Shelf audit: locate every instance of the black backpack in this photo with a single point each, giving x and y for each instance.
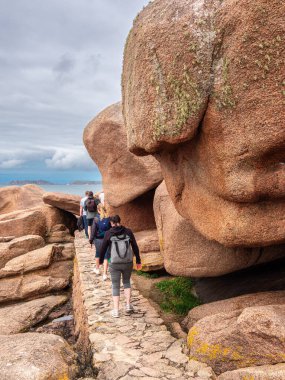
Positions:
(91, 205)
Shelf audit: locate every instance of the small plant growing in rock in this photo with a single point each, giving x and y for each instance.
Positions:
(178, 295)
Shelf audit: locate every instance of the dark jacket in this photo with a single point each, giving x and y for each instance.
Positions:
(119, 231)
(99, 228)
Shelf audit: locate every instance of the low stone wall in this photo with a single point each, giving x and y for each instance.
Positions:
(83, 346)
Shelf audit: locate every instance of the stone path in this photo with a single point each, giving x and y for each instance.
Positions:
(137, 347)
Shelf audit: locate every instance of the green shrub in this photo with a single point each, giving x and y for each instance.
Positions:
(177, 295)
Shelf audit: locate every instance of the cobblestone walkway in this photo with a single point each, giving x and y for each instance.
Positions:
(137, 347)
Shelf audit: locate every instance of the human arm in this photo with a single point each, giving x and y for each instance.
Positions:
(93, 232)
(135, 247)
(104, 247)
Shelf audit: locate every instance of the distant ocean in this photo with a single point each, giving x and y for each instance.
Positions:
(69, 189)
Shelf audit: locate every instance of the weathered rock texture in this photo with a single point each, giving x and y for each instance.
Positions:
(188, 253)
(265, 372)
(35, 221)
(149, 250)
(137, 214)
(247, 338)
(36, 356)
(59, 234)
(66, 202)
(19, 318)
(125, 176)
(34, 260)
(29, 269)
(54, 278)
(19, 246)
(207, 84)
(14, 198)
(233, 304)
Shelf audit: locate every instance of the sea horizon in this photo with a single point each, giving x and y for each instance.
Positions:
(66, 188)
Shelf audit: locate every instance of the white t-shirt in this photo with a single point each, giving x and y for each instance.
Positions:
(82, 205)
(102, 198)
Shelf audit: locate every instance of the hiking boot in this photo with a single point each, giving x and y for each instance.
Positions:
(129, 309)
(115, 313)
(96, 270)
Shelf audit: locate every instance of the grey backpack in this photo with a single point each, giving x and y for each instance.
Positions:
(121, 250)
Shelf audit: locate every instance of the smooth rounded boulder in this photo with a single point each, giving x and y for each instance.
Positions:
(66, 202)
(125, 176)
(14, 198)
(233, 304)
(198, 99)
(188, 253)
(239, 339)
(36, 356)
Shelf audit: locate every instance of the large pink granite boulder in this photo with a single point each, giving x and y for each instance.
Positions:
(233, 304)
(66, 202)
(36, 356)
(207, 99)
(239, 339)
(14, 198)
(125, 176)
(35, 221)
(186, 252)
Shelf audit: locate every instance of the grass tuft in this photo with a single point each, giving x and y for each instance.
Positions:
(177, 295)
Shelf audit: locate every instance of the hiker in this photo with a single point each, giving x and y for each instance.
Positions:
(90, 206)
(83, 213)
(122, 244)
(100, 226)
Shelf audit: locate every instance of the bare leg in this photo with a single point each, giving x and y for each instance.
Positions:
(89, 231)
(97, 262)
(116, 300)
(105, 267)
(127, 292)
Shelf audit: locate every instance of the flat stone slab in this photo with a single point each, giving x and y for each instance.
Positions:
(136, 346)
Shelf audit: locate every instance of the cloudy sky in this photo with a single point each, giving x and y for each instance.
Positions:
(60, 64)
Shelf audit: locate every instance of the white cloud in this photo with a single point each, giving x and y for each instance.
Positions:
(11, 164)
(60, 65)
(73, 158)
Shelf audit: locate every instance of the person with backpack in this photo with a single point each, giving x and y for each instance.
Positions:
(100, 226)
(122, 244)
(90, 206)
